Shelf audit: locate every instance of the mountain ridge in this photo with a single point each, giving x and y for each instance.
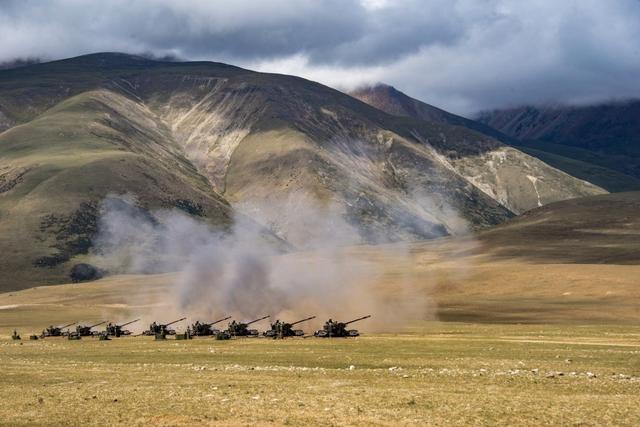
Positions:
(588, 166)
(268, 146)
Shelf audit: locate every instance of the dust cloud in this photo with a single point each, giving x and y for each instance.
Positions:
(240, 272)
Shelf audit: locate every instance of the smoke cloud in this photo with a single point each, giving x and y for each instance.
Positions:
(240, 273)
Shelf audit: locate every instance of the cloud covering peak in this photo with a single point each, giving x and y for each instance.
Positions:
(461, 55)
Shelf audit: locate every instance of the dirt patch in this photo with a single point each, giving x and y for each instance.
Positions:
(11, 178)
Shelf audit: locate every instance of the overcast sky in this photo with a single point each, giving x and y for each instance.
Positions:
(463, 55)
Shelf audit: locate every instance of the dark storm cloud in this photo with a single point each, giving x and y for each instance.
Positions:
(463, 55)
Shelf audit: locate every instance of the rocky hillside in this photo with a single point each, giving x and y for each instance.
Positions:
(606, 135)
(607, 171)
(392, 101)
(211, 139)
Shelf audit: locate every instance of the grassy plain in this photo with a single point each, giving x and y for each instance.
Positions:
(537, 332)
(552, 344)
(434, 374)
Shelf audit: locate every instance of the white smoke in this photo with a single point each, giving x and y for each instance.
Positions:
(241, 273)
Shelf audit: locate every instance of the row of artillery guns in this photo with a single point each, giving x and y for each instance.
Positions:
(111, 329)
(278, 329)
(281, 329)
(234, 329)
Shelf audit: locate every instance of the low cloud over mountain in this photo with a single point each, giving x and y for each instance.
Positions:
(461, 55)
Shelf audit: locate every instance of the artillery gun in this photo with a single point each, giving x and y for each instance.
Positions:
(282, 329)
(116, 330)
(158, 329)
(85, 331)
(56, 331)
(339, 329)
(205, 329)
(236, 329)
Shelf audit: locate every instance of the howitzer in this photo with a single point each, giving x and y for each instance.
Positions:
(117, 331)
(56, 331)
(162, 329)
(85, 331)
(282, 329)
(339, 329)
(242, 330)
(205, 329)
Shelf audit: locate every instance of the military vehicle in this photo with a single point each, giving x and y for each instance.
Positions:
(339, 329)
(161, 329)
(15, 336)
(236, 329)
(85, 331)
(117, 331)
(56, 331)
(205, 329)
(282, 329)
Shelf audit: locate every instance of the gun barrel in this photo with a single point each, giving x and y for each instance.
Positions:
(303, 320)
(97, 324)
(128, 323)
(218, 321)
(257, 320)
(175, 321)
(358, 319)
(66, 326)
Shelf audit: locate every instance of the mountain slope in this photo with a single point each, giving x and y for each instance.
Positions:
(56, 169)
(297, 156)
(591, 168)
(392, 101)
(602, 229)
(607, 134)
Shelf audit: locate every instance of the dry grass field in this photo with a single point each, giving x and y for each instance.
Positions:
(434, 374)
(524, 344)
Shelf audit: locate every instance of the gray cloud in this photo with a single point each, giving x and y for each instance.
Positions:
(462, 55)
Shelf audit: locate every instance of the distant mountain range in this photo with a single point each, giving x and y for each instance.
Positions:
(216, 141)
(599, 144)
(606, 137)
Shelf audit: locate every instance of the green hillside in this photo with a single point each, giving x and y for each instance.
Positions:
(57, 168)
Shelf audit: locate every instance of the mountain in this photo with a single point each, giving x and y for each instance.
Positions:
(576, 162)
(215, 141)
(57, 168)
(392, 101)
(606, 136)
(601, 229)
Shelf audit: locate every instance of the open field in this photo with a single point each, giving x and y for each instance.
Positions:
(554, 340)
(435, 374)
(577, 319)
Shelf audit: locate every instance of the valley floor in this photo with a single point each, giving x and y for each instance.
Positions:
(525, 343)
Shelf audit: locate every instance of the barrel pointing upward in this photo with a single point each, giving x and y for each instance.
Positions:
(257, 320)
(128, 323)
(303, 320)
(97, 324)
(218, 321)
(358, 319)
(66, 326)
(175, 321)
